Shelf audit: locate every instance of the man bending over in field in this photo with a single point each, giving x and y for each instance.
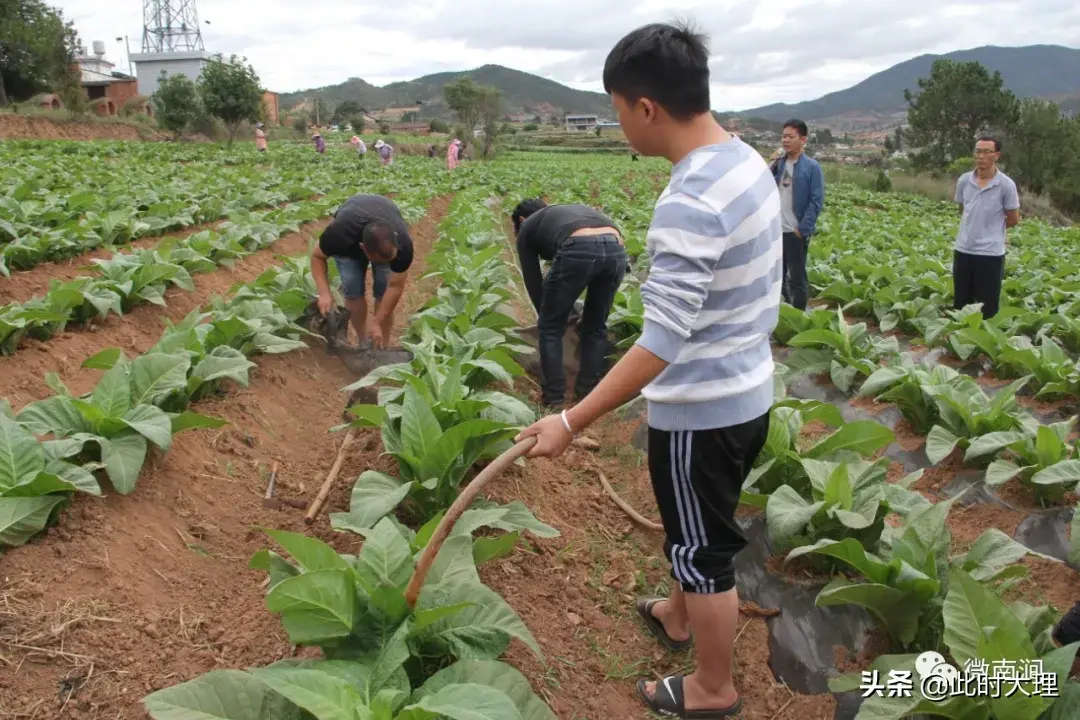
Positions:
(703, 361)
(366, 229)
(587, 256)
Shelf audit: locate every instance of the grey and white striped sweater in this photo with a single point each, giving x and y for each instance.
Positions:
(712, 297)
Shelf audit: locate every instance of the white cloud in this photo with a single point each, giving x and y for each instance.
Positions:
(764, 52)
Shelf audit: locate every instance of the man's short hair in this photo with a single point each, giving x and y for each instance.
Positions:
(990, 138)
(524, 209)
(798, 126)
(379, 239)
(666, 63)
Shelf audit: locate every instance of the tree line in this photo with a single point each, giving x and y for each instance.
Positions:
(960, 101)
(37, 48)
(227, 90)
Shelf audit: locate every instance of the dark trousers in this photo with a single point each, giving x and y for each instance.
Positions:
(977, 279)
(795, 287)
(594, 264)
(697, 477)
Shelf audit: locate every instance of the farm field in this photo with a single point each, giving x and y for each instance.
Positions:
(917, 487)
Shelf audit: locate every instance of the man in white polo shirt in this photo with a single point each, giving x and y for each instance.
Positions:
(989, 204)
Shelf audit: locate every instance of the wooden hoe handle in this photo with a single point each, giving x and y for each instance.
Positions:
(464, 500)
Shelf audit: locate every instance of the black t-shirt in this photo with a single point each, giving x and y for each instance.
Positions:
(544, 232)
(343, 235)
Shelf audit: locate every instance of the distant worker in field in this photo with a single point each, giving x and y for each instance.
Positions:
(452, 154)
(260, 138)
(432, 151)
(802, 196)
(586, 254)
(386, 152)
(989, 205)
(320, 144)
(359, 146)
(366, 230)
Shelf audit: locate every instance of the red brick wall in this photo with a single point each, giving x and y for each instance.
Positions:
(121, 91)
(270, 102)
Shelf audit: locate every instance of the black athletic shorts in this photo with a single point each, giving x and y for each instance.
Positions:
(697, 476)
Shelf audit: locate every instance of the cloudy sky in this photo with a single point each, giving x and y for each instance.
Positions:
(763, 52)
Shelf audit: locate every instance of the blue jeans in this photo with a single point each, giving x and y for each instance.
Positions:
(592, 263)
(353, 272)
(795, 285)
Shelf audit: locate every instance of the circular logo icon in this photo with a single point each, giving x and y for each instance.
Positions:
(925, 663)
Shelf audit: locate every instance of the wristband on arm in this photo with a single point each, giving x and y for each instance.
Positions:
(566, 424)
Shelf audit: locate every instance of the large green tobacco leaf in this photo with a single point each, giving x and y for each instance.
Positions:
(23, 517)
(969, 609)
(156, 376)
(310, 554)
(787, 513)
(112, 395)
(511, 517)
(317, 606)
(373, 496)
(152, 423)
(1067, 706)
(21, 456)
(123, 457)
(221, 363)
(494, 674)
(991, 554)
(894, 608)
(862, 436)
(463, 702)
(220, 695)
(385, 559)
(420, 429)
(481, 631)
(56, 415)
(898, 708)
(324, 695)
(194, 421)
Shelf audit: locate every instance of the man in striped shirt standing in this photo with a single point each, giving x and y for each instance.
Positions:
(703, 361)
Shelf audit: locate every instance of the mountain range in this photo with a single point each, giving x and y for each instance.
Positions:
(1040, 71)
(1043, 71)
(522, 92)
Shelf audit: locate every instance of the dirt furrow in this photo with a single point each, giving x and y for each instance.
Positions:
(130, 594)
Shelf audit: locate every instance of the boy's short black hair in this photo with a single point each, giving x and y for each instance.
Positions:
(990, 138)
(666, 63)
(379, 239)
(799, 126)
(524, 209)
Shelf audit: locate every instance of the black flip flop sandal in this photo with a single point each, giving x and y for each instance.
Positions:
(668, 700)
(644, 609)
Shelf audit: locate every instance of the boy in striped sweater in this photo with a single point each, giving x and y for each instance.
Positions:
(703, 361)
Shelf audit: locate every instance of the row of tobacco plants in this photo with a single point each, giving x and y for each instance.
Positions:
(127, 280)
(67, 443)
(439, 415)
(991, 430)
(888, 548)
(60, 200)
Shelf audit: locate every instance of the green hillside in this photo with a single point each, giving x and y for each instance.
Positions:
(522, 91)
(1044, 71)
